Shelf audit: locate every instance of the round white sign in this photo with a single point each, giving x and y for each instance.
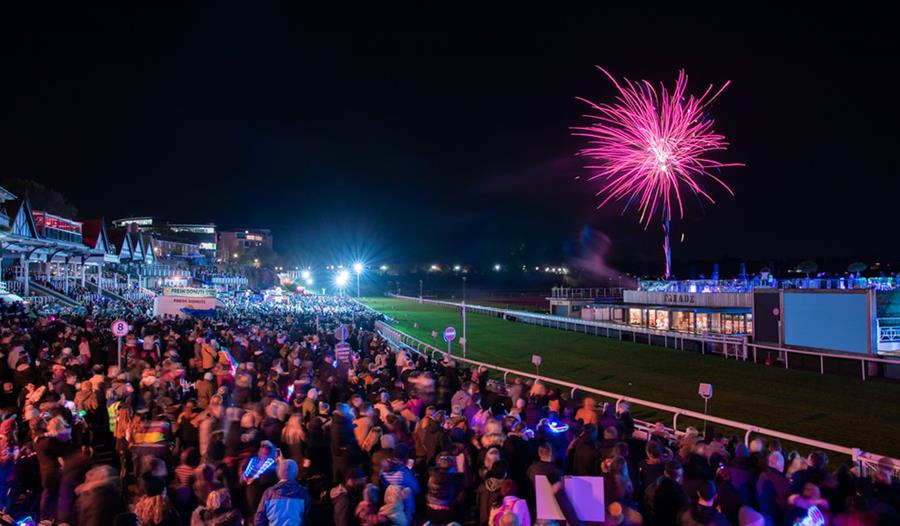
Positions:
(119, 328)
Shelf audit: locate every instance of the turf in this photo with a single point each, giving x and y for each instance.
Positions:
(830, 408)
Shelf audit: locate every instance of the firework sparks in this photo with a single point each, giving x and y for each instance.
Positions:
(652, 147)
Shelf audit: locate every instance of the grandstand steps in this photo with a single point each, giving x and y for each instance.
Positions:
(107, 293)
(58, 296)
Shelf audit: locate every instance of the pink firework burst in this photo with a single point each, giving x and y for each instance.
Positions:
(653, 146)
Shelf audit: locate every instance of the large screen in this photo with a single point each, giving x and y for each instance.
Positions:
(828, 320)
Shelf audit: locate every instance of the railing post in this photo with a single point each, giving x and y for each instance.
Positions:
(821, 364)
(786, 354)
(862, 363)
(747, 437)
(505, 374)
(860, 465)
(675, 423)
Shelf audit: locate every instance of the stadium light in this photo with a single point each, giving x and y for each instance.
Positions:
(383, 268)
(457, 268)
(341, 279)
(305, 275)
(497, 267)
(309, 281)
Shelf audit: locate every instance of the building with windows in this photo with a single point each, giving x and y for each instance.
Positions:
(233, 244)
(180, 237)
(57, 228)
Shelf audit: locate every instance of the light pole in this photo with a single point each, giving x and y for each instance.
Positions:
(420, 291)
(357, 268)
(465, 340)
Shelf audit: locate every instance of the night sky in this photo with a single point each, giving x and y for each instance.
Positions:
(452, 143)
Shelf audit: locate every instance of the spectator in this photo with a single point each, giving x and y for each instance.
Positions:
(154, 507)
(773, 489)
(394, 510)
(703, 511)
(665, 498)
(99, 497)
(287, 502)
(510, 503)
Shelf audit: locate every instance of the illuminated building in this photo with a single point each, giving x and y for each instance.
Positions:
(249, 242)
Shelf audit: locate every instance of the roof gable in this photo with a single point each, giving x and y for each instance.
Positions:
(94, 235)
(23, 224)
(149, 255)
(137, 246)
(119, 238)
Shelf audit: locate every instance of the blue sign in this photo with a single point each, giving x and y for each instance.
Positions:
(449, 334)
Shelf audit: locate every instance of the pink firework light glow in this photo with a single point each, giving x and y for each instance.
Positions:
(652, 147)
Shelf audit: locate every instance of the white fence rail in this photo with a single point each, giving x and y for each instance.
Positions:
(736, 346)
(864, 459)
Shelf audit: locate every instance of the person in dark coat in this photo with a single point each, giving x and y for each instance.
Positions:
(51, 442)
(703, 512)
(585, 457)
(99, 497)
(665, 498)
(773, 489)
(345, 497)
(345, 451)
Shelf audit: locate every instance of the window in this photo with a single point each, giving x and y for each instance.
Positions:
(635, 317)
(683, 321)
(659, 319)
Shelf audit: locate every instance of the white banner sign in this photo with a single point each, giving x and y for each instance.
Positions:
(584, 493)
(189, 292)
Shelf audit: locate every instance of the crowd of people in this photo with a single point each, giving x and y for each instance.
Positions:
(261, 416)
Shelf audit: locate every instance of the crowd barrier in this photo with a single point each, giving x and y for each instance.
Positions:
(863, 459)
(730, 346)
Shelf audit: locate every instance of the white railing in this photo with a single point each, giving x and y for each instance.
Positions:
(13, 286)
(888, 330)
(585, 293)
(864, 459)
(736, 346)
(38, 301)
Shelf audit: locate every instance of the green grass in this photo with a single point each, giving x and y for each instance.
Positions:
(830, 408)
